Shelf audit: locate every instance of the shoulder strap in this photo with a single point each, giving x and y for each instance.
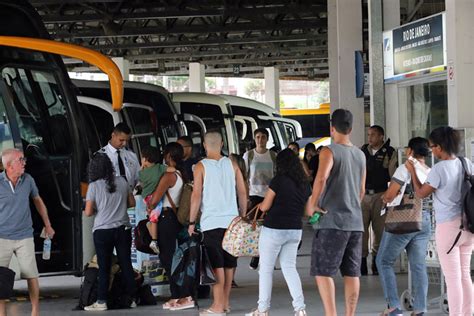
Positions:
(466, 178)
(250, 156)
(273, 156)
(464, 167)
(173, 206)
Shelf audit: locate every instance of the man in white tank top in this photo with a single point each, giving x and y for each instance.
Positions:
(218, 183)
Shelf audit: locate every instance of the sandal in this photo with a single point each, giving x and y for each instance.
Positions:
(187, 303)
(170, 304)
(209, 311)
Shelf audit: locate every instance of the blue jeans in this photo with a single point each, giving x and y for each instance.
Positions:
(283, 242)
(105, 241)
(390, 248)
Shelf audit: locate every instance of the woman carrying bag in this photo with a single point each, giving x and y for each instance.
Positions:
(445, 182)
(415, 243)
(284, 204)
(169, 189)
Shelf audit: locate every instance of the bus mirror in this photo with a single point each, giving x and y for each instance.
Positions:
(88, 55)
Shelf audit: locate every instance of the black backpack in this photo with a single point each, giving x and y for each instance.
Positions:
(467, 191)
(88, 294)
(142, 237)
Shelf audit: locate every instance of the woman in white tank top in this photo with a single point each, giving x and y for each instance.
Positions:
(168, 225)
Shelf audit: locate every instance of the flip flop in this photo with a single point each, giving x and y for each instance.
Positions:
(178, 307)
(169, 305)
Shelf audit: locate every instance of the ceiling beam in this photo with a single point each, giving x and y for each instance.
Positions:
(225, 52)
(211, 69)
(192, 29)
(161, 13)
(214, 42)
(230, 62)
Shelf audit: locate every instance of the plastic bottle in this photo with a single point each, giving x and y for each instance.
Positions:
(315, 218)
(47, 249)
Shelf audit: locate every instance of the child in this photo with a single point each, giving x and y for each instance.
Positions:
(149, 176)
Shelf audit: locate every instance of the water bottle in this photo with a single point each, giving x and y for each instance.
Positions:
(315, 218)
(47, 249)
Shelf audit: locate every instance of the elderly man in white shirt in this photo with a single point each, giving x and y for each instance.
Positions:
(125, 162)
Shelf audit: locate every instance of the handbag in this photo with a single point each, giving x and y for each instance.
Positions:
(405, 218)
(206, 273)
(241, 237)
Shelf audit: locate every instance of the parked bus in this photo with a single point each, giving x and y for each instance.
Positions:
(148, 111)
(212, 110)
(314, 122)
(250, 115)
(41, 116)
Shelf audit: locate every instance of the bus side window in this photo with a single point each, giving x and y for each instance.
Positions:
(103, 123)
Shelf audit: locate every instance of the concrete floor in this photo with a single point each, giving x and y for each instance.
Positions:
(61, 294)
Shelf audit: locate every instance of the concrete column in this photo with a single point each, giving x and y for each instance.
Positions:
(394, 108)
(391, 14)
(272, 87)
(377, 93)
(196, 78)
(344, 38)
(460, 45)
(123, 65)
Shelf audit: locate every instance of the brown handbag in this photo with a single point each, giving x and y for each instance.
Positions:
(405, 218)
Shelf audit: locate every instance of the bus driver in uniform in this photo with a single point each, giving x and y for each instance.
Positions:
(125, 162)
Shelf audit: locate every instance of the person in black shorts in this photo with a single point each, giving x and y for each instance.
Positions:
(220, 195)
(337, 194)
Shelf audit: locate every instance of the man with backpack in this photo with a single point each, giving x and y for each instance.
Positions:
(260, 164)
(381, 159)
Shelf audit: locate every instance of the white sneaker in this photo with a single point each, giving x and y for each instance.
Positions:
(133, 305)
(154, 246)
(96, 307)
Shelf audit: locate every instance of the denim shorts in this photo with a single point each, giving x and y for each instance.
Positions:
(335, 250)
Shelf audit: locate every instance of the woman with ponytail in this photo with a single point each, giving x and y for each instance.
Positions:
(169, 189)
(415, 244)
(445, 182)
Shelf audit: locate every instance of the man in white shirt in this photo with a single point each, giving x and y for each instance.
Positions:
(260, 165)
(125, 162)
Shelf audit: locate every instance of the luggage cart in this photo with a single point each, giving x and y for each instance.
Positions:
(435, 275)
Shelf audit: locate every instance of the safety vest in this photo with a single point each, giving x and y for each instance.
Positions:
(377, 167)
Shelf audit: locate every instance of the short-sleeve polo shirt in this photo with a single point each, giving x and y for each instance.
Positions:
(15, 212)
